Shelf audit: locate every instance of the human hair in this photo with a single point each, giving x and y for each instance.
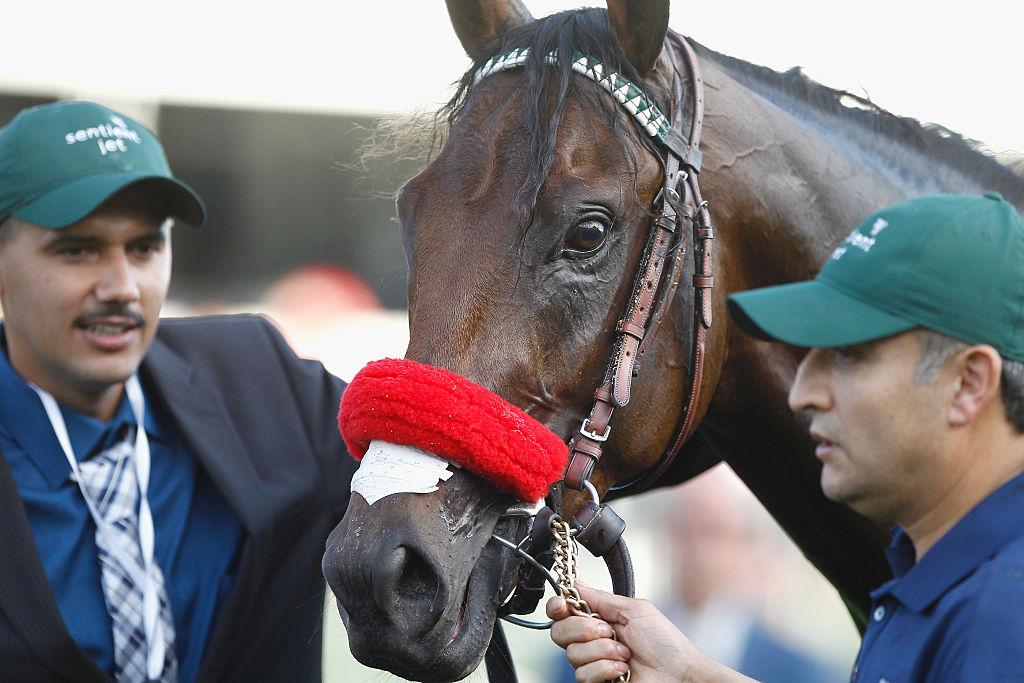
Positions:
(936, 348)
(1012, 388)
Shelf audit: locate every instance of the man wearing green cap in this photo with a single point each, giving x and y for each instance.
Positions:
(165, 487)
(913, 386)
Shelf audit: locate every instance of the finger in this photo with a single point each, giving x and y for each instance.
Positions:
(580, 654)
(599, 672)
(611, 607)
(579, 630)
(557, 608)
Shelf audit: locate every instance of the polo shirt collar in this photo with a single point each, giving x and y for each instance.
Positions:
(24, 420)
(992, 525)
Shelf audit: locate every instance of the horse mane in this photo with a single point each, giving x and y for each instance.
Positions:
(550, 86)
(900, 140)
(907, 147)
(1016, 163)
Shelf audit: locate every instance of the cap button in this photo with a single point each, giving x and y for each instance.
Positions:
(993, 195)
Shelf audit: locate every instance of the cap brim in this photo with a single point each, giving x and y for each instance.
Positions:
(73, 201)
(811, 314)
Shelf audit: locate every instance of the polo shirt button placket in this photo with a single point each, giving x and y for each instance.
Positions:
(875, 619)
(878, 616)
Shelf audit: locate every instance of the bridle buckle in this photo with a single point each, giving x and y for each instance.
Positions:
(590, 434)
(673, 194)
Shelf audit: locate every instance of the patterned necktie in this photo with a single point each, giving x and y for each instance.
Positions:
(109, 479)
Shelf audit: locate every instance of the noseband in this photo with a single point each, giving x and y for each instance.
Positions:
(678, 207)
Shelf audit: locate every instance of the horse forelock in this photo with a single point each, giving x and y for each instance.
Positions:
(550, 86)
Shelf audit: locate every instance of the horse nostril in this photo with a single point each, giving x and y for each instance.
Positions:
(405, 580)
(419, 579)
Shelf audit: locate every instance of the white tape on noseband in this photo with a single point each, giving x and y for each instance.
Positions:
(388, 468)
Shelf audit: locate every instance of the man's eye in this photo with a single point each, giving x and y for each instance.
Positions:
(585, 238)
(146, 248)
(854, 352)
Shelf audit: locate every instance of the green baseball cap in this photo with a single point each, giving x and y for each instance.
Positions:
(949, 263)
(60, 161)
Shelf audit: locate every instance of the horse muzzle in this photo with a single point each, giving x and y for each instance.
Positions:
(417, 581)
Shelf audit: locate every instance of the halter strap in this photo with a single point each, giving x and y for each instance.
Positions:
(655, 288)
(703, 281)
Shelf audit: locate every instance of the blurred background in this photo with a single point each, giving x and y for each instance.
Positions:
(265, 111)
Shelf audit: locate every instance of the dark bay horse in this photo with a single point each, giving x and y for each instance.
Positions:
(523, 235)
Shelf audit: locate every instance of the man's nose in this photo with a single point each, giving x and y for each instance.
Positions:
(117, 280)
(810, 389)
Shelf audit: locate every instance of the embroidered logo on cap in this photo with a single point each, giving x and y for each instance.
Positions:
(859, 240)
(110, 139)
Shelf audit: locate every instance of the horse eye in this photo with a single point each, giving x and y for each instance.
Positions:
(585, 237)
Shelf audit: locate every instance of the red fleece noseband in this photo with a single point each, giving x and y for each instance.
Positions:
(411, 404)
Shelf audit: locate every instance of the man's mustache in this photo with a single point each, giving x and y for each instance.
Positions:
(100, 315)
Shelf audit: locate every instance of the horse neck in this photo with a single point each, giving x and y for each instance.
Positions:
(783, 191)
(919, 158)
(787, 167)
(788, 172)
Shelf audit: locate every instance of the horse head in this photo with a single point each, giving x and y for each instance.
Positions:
(523, 236)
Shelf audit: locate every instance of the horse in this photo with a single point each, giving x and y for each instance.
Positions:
(522, 236)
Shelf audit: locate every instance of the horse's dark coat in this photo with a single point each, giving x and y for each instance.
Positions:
(788, 169)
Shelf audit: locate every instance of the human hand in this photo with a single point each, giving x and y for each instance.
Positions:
(655, 650)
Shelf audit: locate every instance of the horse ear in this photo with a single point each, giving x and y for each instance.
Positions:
(639, 27)
(478, 22)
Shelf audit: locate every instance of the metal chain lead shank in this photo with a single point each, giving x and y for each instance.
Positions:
(565, 568)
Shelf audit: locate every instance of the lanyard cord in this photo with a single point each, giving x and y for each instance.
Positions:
(156, 647)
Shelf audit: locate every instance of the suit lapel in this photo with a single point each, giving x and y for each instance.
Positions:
(25, 595)
(197, 409)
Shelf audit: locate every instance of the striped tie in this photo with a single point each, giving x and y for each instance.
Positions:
(108, 478)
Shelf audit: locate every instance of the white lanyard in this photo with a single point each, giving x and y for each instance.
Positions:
(150, 601)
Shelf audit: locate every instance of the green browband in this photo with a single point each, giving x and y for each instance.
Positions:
(626, 92)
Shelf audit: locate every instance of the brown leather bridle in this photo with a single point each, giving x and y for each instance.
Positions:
(678, 205)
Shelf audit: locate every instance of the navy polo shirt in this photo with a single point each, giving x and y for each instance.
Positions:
(196, 534)
(958, 614)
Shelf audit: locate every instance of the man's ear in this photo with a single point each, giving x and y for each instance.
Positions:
(978, 374)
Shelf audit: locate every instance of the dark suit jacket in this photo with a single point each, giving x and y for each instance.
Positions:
(262, 424)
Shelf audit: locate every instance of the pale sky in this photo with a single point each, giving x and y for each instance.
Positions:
(952, 63)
